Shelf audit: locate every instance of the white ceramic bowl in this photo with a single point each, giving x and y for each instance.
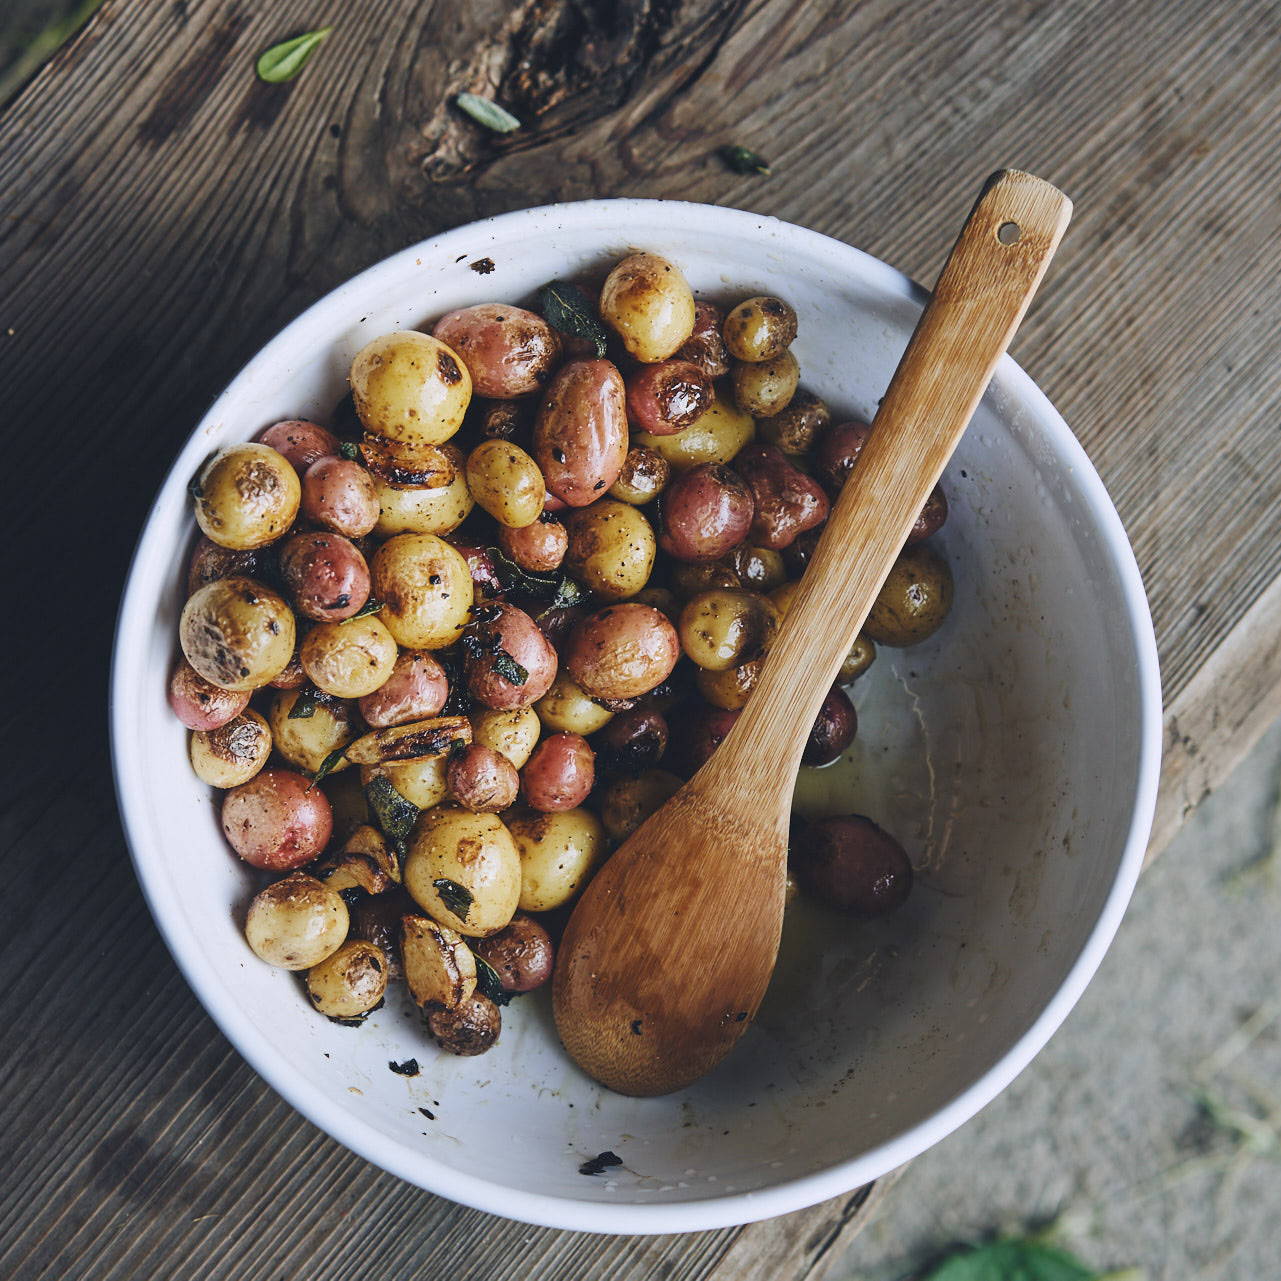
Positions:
(1015, 754)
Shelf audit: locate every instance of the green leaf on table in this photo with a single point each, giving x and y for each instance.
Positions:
(1013, 1259)
(566, 306)
(285, 60)
(484, 111)
(744, 160)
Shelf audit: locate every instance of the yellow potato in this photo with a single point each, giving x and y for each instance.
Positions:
(714, 437)
(766, 388)
(410, 387)
(513, 732)
(426, 590)
(246, 496)
(506, 482)
(237, 633)
(297, 922)
(305, 741)
(348, 659)
(611, 548)
(476, 854)
(421, 783)
(233, 753)
(724, 627)
(567, 708)
(557, 855)
(437, 510)
(349, 983)
(649, 304)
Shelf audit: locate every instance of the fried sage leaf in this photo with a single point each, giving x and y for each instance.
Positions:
(392, 812)
(566, 306)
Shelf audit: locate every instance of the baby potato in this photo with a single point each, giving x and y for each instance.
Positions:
(706, 513)
(644, 476)
(765, 387)
(760, 568)
(277, 820)
(932, 518)
(480, 779)
(300, 441)
(305, 741)
(724, 628)
(233, 753)
(504, 636)
(237, 633)
(506, 482)
(426, 590)
(560, 773)
(849, 863)
(705, 347)
(580, 436)
(861, 656)
(511, 732)
(557, 855)
(622, 651)
(410, 387)
(293, 677)
(715, 436)
(521, 955)
(759, 329)
(439, 509)
(296, 923)
(633, 741)
(836, 451)
(787, 501)
(567, 707)
(416, 690)
(665, 398)
(421, 782)
(730, 688)
(689, 578)
(350, 982)
(539, 547)
(349, 659)
(647, 301)
(469, 1028)
(477, 855)
(914, 601)
(325, 575)
(833, 729)
(246, 496)
(440, 969)
(198, 703)
(339, 494)
(209, 562)
(627, 802)
(795, 429)
(611, 548)
(508, 351)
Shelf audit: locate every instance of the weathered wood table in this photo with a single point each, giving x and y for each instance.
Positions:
(162, 214)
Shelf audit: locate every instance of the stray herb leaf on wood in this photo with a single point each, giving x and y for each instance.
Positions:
(565, 306)
(744, 160)
(455, 897)
(484, 111)
(285, 60)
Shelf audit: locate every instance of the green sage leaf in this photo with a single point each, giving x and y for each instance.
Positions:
(557, 590)
(484, 111)
(371, 606)
(455, 897)
(488, 983)
(304, 707)
(565, 306)
(743, 160)
(350, 451)
(1011, 1260)
(394, 815)
(285, 60)
(328, 765)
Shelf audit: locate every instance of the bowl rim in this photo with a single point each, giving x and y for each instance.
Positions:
(572, 1213)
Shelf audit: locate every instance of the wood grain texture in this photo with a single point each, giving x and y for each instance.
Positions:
(163, 214)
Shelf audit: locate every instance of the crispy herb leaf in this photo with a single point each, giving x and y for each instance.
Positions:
(350, 451)
(1011, 1260)
(393, 814)
(488, 983)
(285, 60)
(568, 308)
(744, 160)
(304, 707)
(408, 1068)
(484, 111)
(508, 668)
(454, 896)
(557, 590)
(328, 765)
(599, 1164)
(371, 606)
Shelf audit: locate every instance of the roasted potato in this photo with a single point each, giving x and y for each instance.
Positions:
(557, 854)
(508, 351)
(715, 436)
(325, 575)
(644, 476)
(648, 303)
(340, 494)
(611, 548)
(277, 820)
(350, 982)
(559, 773)
(622, 651)
(306, 734)
(426, 590)
(723, 628)
(296, 923)
(233, 753)
(410, 388)
(707, 512)
(580, 436)
(915, 600)
(759, 329)
(349, 659)
(246, 496)
(506, 482)
(236, 633)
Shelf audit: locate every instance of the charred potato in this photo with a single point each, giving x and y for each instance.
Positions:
(237, 633)
(410, 388)
(246, 496)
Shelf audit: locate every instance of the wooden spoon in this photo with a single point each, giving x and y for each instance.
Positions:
(670, 949)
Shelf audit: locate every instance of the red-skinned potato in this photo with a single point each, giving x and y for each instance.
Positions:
(481, 780)
(539, 547)
(580, 437)
(301, 442)
(198, 703)
(633, 741)
(850, 863)
(277, 820)
(622, 651)
(326, 577)
(932, 518)
(703, 734)
(706, 513)
(508, 351)
(559, 774)
(209, 563)
(833, 729)
(788, 502)
(665, 398)
(521, 955)
(705, 347)
(836, 451)
(339, 494)
(415, 690)
(505, 630)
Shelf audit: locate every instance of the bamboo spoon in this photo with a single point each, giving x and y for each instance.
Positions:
(670, 949)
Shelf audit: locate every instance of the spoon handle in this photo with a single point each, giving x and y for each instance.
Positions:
(982, 294)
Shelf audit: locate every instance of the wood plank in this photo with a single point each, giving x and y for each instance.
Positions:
(162, 215)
